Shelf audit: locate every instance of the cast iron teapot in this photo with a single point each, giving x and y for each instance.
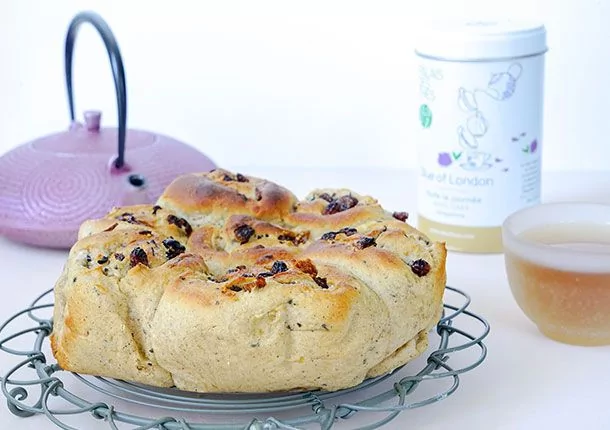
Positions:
(49, 186)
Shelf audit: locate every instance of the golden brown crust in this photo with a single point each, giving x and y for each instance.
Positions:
(231, 284)
(214, 196)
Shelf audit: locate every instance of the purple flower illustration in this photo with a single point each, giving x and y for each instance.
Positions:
(533, 146)
(444, 159)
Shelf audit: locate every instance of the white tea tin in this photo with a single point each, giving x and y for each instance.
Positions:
(480, 104)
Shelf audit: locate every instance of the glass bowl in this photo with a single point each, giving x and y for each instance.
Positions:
(557, 259)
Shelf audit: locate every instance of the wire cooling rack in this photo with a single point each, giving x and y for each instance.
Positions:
(61, 395)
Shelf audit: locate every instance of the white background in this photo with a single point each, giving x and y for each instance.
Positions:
(311, 83)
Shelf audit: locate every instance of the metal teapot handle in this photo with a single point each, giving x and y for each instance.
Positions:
(118, 72)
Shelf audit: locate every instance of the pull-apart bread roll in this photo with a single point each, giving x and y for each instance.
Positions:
(231, 284)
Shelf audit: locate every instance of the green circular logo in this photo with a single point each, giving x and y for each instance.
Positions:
(425, 116)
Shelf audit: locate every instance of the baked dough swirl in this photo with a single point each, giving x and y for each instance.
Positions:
(231, 284)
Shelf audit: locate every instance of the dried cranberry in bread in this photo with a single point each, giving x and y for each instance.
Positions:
(231, 284)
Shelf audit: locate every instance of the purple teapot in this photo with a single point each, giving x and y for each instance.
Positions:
(49, 186)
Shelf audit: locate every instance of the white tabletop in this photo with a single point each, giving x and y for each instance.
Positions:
(526, 382)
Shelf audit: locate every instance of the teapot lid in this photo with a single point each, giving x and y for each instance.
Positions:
(89, 137)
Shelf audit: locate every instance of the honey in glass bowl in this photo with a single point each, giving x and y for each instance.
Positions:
(557, 259)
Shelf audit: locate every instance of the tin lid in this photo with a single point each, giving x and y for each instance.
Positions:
(481, 40)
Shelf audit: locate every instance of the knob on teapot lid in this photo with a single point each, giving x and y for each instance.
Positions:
(93, 120)
(54, 183)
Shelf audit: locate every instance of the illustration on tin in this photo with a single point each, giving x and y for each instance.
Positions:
(425, 85)
(476, 161)
(470, 160)
(527, 147)
(500, 87)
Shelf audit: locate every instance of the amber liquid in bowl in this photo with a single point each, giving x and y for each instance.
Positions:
(568, 305)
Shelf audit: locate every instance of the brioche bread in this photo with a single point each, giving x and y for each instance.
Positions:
(231, 284)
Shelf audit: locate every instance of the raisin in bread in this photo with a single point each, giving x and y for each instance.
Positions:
(231, 284)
